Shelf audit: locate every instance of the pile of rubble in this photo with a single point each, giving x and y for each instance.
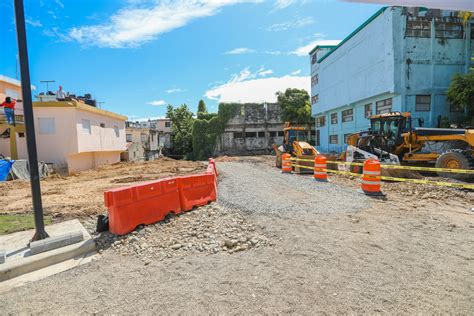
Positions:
(209, 229)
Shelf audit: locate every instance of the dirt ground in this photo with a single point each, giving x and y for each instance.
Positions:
(81, 195)
(410, 253)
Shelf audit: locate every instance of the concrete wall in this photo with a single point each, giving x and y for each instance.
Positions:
(359, 69)
(251, 130)
(99, 138)
(381, 62)
(427, 65)
(80, 162)
(66, 143)
(142, 144)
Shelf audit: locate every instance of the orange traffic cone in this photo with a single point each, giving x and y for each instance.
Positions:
(371, 178)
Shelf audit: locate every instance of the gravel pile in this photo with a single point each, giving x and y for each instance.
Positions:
(209, 229)
(258, 188)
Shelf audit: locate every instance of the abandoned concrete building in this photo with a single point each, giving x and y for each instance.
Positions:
(142, 143)
(252, 130)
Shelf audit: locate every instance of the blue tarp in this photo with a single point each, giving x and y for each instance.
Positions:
(5, 166)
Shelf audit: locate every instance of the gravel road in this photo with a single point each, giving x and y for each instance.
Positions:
(259, 188)
(329, 250)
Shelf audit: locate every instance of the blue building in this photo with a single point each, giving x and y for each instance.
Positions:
(400, 59)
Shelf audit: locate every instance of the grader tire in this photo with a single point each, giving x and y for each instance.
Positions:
(456, 159)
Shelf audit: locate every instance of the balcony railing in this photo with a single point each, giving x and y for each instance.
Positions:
(18, 118)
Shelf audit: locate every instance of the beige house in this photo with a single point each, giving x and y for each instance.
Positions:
(142, 143)
(163, 126)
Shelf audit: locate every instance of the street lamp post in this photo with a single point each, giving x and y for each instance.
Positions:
(29, 121)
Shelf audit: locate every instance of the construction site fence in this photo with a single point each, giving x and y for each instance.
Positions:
(418, 181)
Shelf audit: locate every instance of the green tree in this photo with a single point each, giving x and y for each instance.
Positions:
(202, 107)
(181, 124)
(461, 93)
(295, 106)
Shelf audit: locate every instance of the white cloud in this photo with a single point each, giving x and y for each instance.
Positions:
(59, 3)
(281, 4)
(246, 87)
(273, 52)
(143, 21)
(320, 40)
(296, 72)
(157, 102)
(240, 50)
(264, 73)
(174, 90)
(299, 22)
(32, 22)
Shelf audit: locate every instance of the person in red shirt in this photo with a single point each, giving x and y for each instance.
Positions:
(9, 108)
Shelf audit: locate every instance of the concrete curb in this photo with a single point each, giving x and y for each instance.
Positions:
(16, 268)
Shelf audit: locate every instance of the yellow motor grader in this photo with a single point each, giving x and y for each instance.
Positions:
(393, 140)
(295, 142)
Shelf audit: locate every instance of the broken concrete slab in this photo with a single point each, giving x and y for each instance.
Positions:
(20, 260)
(56, 242)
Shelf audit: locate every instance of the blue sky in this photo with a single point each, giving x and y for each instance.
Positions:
(137, 56)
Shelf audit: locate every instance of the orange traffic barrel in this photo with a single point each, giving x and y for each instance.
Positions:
(320, 168)
(371, 178)
(286, 163)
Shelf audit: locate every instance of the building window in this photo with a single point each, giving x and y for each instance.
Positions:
(318, 138)
(102, 125)
(281, 134)
(238, 135)
(315, 99)
(261, 134)
(128, 137)
(143, 137)
(320, 121)
(368, 110)
(423, 103)
(47, 125)
(384, 106)
(21, 135)
(418, 28)
(86, 126)
(314, 59)
(348, 115)
(273, 134)
(117, 131)
(314, 80)
(333, 139)
(449, 30)
(250, 134)
(346, 136)
(334, 118)
(167, 124)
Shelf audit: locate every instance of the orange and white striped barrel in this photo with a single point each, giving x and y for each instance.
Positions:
(371, 181)
(286, 163)
(320, 168)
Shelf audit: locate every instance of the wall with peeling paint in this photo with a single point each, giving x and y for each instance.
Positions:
(383, 60)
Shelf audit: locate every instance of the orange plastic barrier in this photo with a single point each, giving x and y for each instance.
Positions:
(286, 163)
(213, 163)
(320, 168)
(197, 190)
(371, 178)
(145, 203)
(150, 202)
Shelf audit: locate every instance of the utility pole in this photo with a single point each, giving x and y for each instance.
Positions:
(29, 121)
